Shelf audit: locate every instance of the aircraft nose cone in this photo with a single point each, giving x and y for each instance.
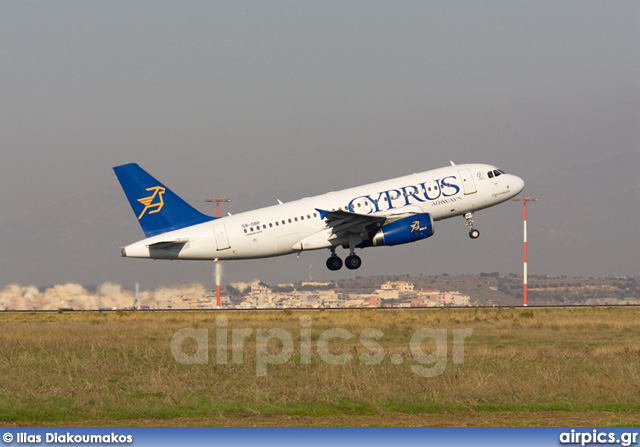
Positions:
(517, 184)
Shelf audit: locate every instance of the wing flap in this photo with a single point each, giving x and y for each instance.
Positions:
(343, 222)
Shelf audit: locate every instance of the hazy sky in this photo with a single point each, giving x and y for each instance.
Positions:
(266, 100)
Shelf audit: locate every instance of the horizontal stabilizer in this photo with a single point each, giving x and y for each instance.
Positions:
(168, 245)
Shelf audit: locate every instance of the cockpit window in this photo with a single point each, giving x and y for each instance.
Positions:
(490, 174)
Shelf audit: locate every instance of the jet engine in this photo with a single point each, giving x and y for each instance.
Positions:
(405, 230)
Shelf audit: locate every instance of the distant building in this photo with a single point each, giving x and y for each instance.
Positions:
(392, 290)
(315, 284)
(373, 301)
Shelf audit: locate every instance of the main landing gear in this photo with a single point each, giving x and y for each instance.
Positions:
(352, 262)
(334, 263)
(473, 233)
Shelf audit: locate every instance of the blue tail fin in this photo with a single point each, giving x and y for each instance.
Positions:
(156, 207)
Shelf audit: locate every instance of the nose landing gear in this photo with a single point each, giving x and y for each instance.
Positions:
(473, 233)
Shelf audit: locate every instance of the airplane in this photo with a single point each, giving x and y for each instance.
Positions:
(391, 212)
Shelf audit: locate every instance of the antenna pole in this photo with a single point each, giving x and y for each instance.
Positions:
(218, 273)
(524, 200)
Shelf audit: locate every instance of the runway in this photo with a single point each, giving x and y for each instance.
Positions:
(322, 309)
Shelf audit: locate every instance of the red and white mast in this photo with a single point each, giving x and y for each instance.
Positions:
(524, 200)
(218, 266)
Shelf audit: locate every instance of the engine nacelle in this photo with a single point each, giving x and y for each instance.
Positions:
(405, 230)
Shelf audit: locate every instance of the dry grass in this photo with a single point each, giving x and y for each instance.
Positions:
(521, 367)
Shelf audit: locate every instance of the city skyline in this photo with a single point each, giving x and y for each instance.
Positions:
(486, 289)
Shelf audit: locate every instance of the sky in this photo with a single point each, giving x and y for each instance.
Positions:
(259, 101)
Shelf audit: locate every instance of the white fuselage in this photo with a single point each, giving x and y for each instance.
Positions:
(281, 229)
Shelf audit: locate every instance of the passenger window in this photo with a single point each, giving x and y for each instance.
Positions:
(283, 222)
(296, 219)
(270, 225)
(276, 224)
(301, 217)
(289, 220)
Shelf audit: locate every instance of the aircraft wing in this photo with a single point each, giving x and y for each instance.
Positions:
(343, 222)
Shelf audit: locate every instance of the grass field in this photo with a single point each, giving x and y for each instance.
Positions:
(544, 367)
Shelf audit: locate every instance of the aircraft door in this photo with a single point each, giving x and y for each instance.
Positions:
(467, 182)
(222, 241)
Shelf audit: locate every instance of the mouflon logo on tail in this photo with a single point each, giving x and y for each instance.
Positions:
(158, 191)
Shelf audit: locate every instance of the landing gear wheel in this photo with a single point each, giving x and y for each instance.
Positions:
(474, 234)
(353, 262)
(334, 263)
